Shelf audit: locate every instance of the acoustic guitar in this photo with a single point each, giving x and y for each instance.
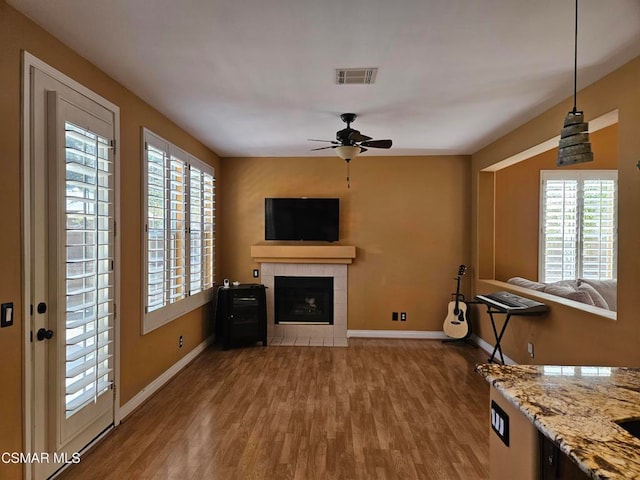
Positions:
(456, 325)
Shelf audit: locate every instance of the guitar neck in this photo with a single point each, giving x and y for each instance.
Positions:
(457, 292)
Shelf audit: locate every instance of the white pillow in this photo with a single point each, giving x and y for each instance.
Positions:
(598, 300)
(608, 289)
(567, 283)
(568, 292)
(526, 283)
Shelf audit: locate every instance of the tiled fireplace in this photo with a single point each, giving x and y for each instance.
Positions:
(306, 262)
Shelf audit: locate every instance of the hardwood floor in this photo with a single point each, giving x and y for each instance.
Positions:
(378, 409)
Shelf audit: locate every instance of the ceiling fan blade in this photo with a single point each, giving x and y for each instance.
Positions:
(356, 136)
(328, 141)
(321, 148)
(377, 144)
(362, 149)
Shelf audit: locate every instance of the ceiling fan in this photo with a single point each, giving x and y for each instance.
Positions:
(350, 143)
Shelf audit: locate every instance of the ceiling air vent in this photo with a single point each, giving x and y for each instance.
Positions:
(356, 76)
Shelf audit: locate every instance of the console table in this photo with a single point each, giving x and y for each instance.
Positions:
(241, 315)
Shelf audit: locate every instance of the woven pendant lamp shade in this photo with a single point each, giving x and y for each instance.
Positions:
(574, 141)
(574, 144)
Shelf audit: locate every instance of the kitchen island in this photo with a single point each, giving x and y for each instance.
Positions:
(580, 411)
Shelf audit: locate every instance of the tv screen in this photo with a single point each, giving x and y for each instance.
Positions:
(315, 219)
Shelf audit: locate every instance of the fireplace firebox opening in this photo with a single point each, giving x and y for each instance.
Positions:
(307, 300)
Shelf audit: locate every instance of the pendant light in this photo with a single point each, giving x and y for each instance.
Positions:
(574, 138)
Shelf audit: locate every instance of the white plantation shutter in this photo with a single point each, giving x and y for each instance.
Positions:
(166, 225)
(180, 237)
(208, 229)
(202, 229)
(195, 229)
(89, 304)
(560, 229)
(156, 227)
(598, 229)
(578, 225)
(177, 247)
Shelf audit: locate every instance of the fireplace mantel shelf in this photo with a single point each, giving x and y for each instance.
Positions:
(298, 252)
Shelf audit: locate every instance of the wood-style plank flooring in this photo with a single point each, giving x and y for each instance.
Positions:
(378, 409)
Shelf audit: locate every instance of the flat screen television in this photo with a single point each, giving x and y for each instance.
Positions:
(313, 219)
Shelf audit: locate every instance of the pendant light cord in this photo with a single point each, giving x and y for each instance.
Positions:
(575, 63)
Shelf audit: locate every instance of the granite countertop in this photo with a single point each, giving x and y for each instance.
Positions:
(576, 408)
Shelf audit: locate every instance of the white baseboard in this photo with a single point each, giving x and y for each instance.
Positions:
(417, 334)
(487, 347)
(144, 394)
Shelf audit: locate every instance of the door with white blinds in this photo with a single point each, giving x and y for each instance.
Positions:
(81, 274)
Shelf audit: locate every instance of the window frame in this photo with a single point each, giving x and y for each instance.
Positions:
(580, 176)
(169, 311)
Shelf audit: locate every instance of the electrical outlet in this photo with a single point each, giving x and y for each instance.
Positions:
(403, 316)
(180, 342)
(256, 273)
(530, 349)
(394, 316)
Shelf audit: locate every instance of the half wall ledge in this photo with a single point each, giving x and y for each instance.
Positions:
(307, 252)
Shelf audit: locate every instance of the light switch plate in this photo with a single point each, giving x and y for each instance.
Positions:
(6, 315)
(500, 422)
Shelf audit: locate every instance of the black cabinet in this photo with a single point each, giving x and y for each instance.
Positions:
(555, 465)
(241, 315)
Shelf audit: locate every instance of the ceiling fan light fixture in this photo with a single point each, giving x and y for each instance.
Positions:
(347, 152)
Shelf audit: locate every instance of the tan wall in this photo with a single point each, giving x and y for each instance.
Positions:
(407, 216)
(568, 335)
(143, 358)
(517, 204)
(520, 460)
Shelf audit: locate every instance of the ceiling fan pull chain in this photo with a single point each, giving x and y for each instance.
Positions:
(348, 175)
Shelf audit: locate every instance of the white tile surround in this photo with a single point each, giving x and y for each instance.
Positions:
(308, 335)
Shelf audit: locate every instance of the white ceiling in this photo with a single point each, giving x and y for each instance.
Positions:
(256, 77)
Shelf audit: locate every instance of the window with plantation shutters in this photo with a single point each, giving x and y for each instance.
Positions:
(179, 231)
(578, 225)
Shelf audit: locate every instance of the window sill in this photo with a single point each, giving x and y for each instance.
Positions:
(548, 298)
(167, 314)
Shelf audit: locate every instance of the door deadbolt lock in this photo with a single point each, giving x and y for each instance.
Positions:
(43, 334)
(42, 307)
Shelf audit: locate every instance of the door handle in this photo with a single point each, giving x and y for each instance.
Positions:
(43, 334)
